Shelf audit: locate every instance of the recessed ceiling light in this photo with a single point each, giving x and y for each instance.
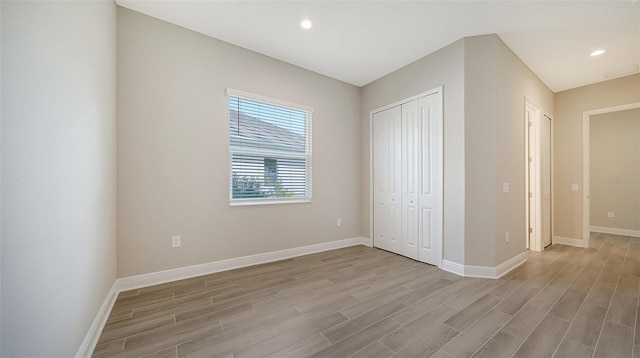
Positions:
(306, 24)
(597, 53)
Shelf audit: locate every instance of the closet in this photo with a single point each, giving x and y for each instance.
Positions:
(407, 168)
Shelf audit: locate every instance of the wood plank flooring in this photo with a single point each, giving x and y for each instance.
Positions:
(364, 302)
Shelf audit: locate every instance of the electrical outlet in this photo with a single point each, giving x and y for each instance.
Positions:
(610, 214)
(506, 238)
(339, 222)
(505, 187)
(176, 241)
(574, 187)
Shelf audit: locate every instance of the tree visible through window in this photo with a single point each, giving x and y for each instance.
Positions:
(270, 169)
(269, 149)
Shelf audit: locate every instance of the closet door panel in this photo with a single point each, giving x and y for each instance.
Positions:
(379, 181)
(431, 179)
(410, 178)
(387, 184)
(425, 229)
(394, 232)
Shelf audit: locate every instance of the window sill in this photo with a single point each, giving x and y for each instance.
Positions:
(268, 202)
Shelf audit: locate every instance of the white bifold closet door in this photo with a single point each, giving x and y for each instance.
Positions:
(407, 179)
(386, 182)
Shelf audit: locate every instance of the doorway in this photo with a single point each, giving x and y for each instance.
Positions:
(538, 177)
(586, 164)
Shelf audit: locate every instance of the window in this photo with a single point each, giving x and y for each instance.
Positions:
(269, 150)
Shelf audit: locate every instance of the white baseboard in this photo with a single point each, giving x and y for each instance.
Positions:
(129, 283)
(453, 267)
(511, 264)
(485, 271)
(568, 241)
(155, 278)
(88, 345)
(480, 271)
(615, 231)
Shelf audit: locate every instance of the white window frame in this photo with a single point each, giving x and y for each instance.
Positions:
(252, 151)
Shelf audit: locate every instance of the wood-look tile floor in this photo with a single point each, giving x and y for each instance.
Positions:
(364, 302)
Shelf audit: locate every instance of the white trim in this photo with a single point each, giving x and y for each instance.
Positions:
(133, 282)
(371, 189)
(552, 172)
(480, 271)
(533, 240)
(453, 267)
(90, 340)
(568, 241)
(615, 231)
(275, 201)
(586, 164)
(406, 100)
(511, 264)
(235, 93)
(366, 241)
(485, 271)
(586, 178)
(622, 107)
(155, 278)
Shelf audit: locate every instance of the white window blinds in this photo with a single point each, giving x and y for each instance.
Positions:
(269, 150)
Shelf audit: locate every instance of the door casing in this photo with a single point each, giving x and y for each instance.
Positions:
(535, 220)
(586, 164)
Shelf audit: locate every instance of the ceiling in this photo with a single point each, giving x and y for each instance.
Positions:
(360, 41)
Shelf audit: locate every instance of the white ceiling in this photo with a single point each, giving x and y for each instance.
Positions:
(361, 41)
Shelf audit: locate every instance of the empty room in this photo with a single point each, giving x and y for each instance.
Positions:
(319, 178)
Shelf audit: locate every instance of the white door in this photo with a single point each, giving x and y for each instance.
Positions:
(546, 181)
(532, 182)
(411, 154)
(386, 179)
(539, 178)
(431, 179)
(408, 178)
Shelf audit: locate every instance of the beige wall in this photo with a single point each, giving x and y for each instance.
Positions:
(615, 169)
(485, 85)
(173, 156)
(480, 123)
(496, 85)
(58, 172)
(444, 68)
(567, 142)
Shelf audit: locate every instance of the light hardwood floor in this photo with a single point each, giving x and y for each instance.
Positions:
(364, 302)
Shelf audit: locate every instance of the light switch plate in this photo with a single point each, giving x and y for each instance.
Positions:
(176, 241)
(574, 187)
(505, 187)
